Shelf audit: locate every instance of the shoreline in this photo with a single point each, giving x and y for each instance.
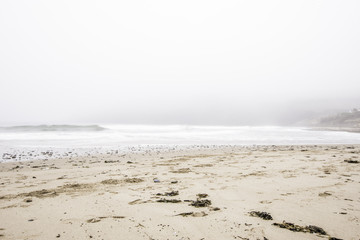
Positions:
(335, 129)
(134, 196)
(32, 154)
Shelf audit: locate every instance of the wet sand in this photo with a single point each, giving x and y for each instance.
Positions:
(227, 192)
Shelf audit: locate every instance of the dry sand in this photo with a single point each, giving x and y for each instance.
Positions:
(115, 196)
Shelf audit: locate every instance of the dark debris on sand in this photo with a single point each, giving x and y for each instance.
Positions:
(297, 228)
(169, 194)
(263, 215)
(202, 195)
(163, 200)
(351, 161)
(111, 161)
(315, 229)
(185, 214)
(133, 180)
(192, 214)
(98, 219)
(41, 193)
(201, 203)
(111, 181)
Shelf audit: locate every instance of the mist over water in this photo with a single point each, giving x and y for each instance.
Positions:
(188, 72)
(190, 62)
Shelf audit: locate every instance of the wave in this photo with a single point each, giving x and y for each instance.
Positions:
(52, 128)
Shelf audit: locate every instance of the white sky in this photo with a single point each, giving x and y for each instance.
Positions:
(186, 62)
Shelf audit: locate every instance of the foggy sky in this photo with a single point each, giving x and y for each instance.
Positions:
(177, 62)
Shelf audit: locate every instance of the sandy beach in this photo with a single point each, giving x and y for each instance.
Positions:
(208, 192)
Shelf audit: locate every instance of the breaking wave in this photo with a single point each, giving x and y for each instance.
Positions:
(52, 128)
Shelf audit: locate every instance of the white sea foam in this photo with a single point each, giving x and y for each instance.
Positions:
(61, 137)
(52, 128)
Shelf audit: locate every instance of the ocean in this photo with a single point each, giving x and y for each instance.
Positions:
(27, 142)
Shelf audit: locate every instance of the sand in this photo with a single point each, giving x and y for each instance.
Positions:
(245, 193)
